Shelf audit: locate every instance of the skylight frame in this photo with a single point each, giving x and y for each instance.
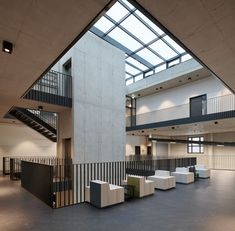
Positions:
(165, 39)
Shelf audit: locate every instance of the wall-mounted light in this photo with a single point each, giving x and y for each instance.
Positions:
(7, 47)
(220, 145)
(40, 108)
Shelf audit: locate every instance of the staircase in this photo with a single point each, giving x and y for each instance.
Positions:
(37, 122)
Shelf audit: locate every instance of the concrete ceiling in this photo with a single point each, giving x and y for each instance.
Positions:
(205, 27)
(40, 31)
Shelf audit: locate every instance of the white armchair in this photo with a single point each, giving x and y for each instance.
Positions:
(182, 175)
(163, 180)
(102, 194)
(202, 171)
(142, 187)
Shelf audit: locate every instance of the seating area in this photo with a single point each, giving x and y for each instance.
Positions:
(102, 194)
(183, 176)
(202, 171)
(163, 180)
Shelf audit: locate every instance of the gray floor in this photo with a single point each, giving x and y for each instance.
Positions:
(205, 205)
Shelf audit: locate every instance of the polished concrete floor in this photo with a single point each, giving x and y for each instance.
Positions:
(206, 205)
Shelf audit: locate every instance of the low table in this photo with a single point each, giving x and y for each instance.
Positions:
(128, 191)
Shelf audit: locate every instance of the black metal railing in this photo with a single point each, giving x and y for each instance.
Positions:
(48, 117)
(213, 105)
(70, 189)
(12, 164)
(53, 88)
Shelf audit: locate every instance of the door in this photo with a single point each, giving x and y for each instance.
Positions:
(137, 150)
(67, 157)
(198, 105)
(149, 150)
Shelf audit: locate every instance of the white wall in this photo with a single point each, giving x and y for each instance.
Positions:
(20, 140)
(213, 156)
(132, 141)
(180, 95)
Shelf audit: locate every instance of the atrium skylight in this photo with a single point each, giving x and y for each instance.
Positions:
(148, 48)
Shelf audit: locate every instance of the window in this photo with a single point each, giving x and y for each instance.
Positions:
(195, 147)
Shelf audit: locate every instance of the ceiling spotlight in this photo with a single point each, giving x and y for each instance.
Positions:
(7, 47)
(40, 108)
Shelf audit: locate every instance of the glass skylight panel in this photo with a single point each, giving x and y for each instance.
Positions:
(160, 68)
(136, 63)
(127, 76)
(174, 44)
(131, 70)
(124, 39)
(163, 50)
(149, 56)
(186, 57)
(139, 77)
(128, 4)
(129, 81)
(150, 23)
(138, 29)
(173, 63)
(103, 24)
(117, 12)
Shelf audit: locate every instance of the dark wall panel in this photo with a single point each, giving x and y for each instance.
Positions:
(38, 180)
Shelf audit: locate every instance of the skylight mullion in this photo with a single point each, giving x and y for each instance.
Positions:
(141, 42)
(130, 64)
(154, 52)
(116, 23)
(142, 60)
(147, 25)
(146, 45)
(168, 44)
(126, 6)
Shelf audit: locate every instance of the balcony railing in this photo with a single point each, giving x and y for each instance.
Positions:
(213, 105)
(53, 88)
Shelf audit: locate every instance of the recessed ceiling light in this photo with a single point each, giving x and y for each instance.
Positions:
(7, 47)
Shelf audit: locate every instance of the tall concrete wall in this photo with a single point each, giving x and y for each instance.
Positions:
(98, 112)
